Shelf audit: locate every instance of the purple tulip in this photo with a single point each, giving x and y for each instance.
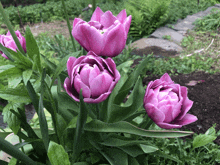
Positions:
(8, 42)
(104, 34)
(94, 75)
(167, 103)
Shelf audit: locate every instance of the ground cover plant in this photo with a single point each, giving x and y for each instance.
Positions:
(208, 154)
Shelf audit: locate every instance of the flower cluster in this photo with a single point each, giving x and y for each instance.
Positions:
(8, 42)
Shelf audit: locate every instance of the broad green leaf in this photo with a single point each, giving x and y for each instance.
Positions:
(5, 51)
(125, 66)
(4, 134)
(14, 81)
(57, 154)
(26, 75)
(125, 127)
(18, 94)
(8, 71)
(33, 95)
(31, 44)
(148, 148)
(13, 161)
(81, 163)
(202, 140)
(41, 114)
(130, 82)
(132, 150)
(132, 161)
(81, 121)
(21, 61)
(10, 118)
(134, 102)
(61, 124)
(14, 152)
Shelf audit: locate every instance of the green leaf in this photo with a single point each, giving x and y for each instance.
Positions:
(118, 113)
(57, 154)
(13, 161)
(14, 152)
(125, 66)
(4, 50)
(130, 82)
(32, 48)
(7, 71)
(14, 81)
(164, 155)
(132, 150)
(33, 96)
(125, 127)
(81, 121)
(132, 161)
(10, 118)
(148, 148)
(202, 140)
(81, 163)
(3, 162)
(41, 114)
(26, 75)
(31, 44)
(18, 94)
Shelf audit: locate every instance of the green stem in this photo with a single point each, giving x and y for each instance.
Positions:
(68, 24)
(93, 5)
(8, 24)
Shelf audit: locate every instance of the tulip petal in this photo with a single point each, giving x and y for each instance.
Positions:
(155, 114)
(76, 21)
(186, 104)
(107, 19)
(127, 23)
(84, 74)
(101, 98)
(167, 79)
(70, 91)
(114, 41)
(168, 126)
(93, 74)
(96, 16)
(187, 119)
(100, 84)
(78, 85)
(89, 38)
(122, 16)
(70, 65)
(167, 110)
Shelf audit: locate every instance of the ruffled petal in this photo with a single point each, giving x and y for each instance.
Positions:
(167, 79)
(107, 19)
(155, 114)
(168, 126)
(187, 119)
(70, 91)
(100, 84)
(78, 85)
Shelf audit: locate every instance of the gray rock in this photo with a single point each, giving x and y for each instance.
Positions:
(184, 25)
(217, 5)
(156, 46)
(208, 10)
(162, 31)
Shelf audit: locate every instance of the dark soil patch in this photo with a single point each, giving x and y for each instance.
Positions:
(206, 97)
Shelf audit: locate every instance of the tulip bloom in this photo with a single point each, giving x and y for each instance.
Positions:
(94, 75)
(167, 103)
(8, 42)
(104, 34)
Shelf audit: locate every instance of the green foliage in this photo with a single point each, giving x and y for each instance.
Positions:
(146, 16)
(180, 9)
(176, 65)
(210, 22)
(46, 12)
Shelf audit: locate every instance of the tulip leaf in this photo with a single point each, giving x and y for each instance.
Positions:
(5, 51)
(26, 75)
(118, 113)
(81, 121)
(32, 48)
(18, 94)
(132, 150)
(33, 96)
(127, 86)
(125, 127)
(11, 119)
(41, 114)
(15, 152)
(14, 81)
(132, 161)
(7, 71)
(57, 154)
(81, 163)
(20, 60)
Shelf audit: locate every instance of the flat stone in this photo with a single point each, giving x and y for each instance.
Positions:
(208, 10)
(155, 42)
(162, 31)
(191, 18)
(217, 5)
(184, 26)
(200, 14)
